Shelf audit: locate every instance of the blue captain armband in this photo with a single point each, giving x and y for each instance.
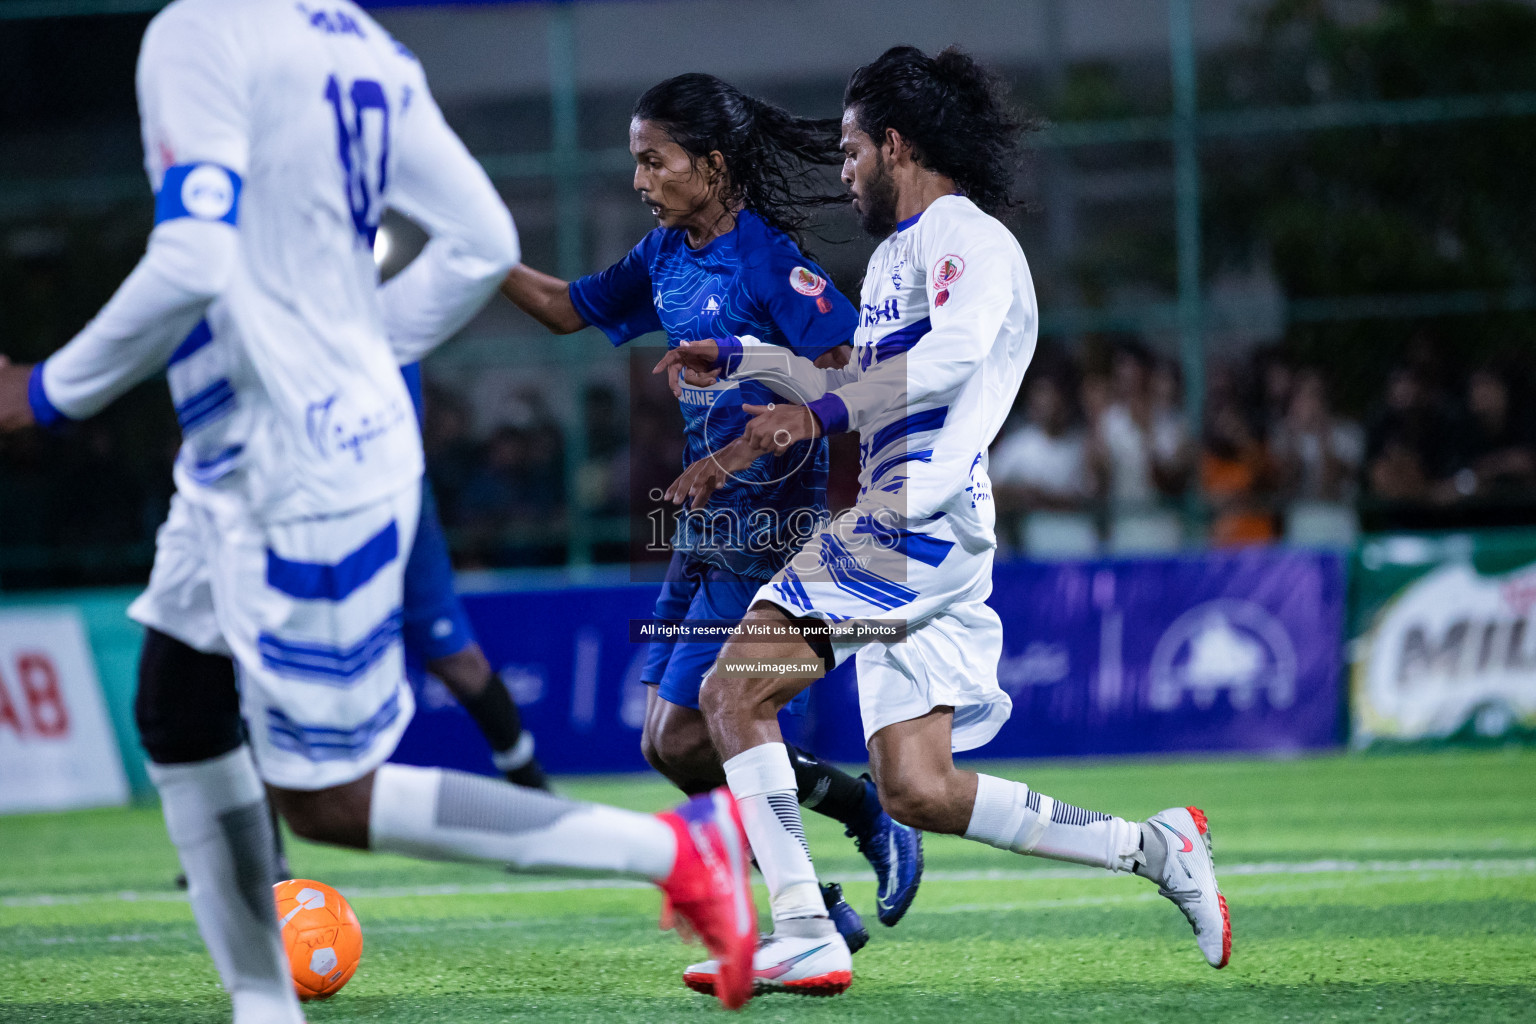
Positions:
(200, 191)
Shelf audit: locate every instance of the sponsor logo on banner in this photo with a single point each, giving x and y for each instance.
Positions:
(57, 749)
(1040, 664)
(1226, 646)
(1454, 652)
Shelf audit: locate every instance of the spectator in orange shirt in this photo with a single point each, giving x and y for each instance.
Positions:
(1236, 474)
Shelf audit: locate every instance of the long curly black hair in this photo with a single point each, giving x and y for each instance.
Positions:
(952, 111)
(771, 156)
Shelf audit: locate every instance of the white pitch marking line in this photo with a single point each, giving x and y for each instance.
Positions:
(1515, 866)
(1399, 871)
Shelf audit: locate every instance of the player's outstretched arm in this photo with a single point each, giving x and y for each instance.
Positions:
(193, 107)
(473, 240)
(692, 362)
(544, 297)
(793, 377)
(702, 479)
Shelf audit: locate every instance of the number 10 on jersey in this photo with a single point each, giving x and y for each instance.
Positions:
(362, 141)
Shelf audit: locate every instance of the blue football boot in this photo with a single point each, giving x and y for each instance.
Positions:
(895, 852)
(849, 925)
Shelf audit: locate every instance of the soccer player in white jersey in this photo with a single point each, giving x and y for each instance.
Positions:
(947, 329)
(275, 135)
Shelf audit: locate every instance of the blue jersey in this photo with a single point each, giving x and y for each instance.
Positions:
(753, 281)
(412, 374)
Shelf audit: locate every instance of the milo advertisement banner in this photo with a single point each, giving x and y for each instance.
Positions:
(1444, 635)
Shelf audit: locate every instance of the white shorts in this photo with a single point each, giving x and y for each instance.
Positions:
(310, 610)
(919, 574)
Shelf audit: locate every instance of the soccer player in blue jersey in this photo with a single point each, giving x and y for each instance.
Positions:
(436, 631)
(728, 178)
(950, 328)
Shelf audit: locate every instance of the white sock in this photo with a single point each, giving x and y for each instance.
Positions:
(216, 814)
(1011, 816)
(515, 756)
(763, 782)
(448, 815)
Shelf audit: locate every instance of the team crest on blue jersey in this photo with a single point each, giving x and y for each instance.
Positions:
(807, 283)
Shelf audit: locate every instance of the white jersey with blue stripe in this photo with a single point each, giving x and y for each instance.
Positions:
(947, 327)
(278, 131)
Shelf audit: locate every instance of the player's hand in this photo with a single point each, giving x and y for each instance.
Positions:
(701, 480)
(15, 409)
(834, 359)
(773, 428)
(677, 372)
(693, 362)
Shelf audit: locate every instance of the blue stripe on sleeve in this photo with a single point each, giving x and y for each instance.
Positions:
(43, 410)
(317, 581)
(200, 191)
(728, 354)
(831, 411)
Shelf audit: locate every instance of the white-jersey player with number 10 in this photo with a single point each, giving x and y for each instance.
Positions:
(276, 133)
(948, 328)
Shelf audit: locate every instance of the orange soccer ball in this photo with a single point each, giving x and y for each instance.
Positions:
(321, 934)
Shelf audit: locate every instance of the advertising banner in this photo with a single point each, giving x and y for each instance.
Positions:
(569, 662)
(1444, 638)
(1234, 651)
(57, 749)
(1216, 652)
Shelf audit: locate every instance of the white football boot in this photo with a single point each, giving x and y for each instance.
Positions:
(787, 963)
(1189, 879)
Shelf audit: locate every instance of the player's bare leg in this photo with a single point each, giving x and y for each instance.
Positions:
(920, 785)
(188, 713)
(676, 743)
(447, 815)
(805, 954)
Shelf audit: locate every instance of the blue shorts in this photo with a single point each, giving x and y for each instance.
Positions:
(694, 591)
(435, 622)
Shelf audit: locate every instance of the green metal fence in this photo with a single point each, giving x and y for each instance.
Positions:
(568, 169)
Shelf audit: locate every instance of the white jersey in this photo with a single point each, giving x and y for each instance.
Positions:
(280, 131)
(947, 328)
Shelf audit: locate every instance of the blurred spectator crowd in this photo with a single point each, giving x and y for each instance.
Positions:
(1099, 455)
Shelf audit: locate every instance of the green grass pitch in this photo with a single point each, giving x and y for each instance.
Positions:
(1391, 888)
